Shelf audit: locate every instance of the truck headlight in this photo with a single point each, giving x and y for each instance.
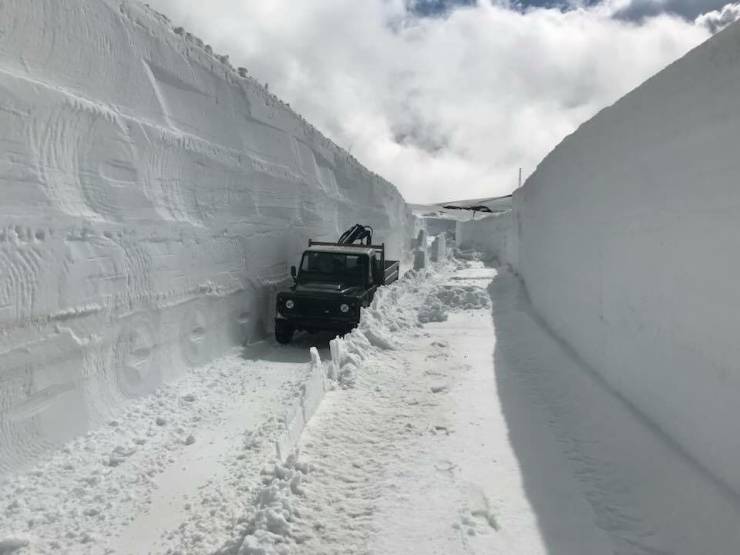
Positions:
(344, 307)
(289, 304)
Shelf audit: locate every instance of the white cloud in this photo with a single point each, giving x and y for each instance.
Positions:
(689, 9)
(443, 107)
(717, 20)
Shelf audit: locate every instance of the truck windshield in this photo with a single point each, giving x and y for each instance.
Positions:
(335, 267)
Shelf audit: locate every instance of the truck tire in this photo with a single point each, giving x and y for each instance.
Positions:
(283, 332)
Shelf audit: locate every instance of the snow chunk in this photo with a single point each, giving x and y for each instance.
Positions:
(271, 531)
(452, 297)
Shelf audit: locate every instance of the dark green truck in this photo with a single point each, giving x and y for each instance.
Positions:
(333, 282)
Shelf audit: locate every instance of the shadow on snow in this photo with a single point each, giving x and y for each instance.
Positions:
(641, 488)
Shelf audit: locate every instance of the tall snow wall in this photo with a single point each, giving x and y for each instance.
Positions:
(152, 201)
(629, 245)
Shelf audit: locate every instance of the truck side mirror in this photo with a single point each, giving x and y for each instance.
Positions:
(293, 272)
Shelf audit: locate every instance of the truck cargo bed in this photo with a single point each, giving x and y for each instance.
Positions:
(390, 271)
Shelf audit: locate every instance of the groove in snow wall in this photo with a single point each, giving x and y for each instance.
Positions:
(152, 201)
(629, 245)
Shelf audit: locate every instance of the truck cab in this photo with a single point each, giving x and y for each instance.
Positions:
(330, 286)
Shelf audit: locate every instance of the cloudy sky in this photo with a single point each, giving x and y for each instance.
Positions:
(448, 98)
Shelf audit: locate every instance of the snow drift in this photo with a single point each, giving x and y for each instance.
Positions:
(152, 200)
(629, 245)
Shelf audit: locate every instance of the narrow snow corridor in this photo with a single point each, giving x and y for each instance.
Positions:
(456, 424)
(415, 457)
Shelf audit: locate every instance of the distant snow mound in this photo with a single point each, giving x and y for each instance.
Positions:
(445, 298)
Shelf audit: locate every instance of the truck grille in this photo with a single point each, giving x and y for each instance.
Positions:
(316, 308)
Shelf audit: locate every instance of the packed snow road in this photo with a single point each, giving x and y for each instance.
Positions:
(454, 423)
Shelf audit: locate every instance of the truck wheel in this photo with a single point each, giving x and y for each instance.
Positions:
(283, 332)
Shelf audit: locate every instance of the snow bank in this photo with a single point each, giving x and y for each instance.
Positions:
(300, 412)
(393, 309)
(153, 199)
(629, 242)
(396, 308)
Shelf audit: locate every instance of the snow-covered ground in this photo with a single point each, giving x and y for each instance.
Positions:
(172, 468)
(153, 199)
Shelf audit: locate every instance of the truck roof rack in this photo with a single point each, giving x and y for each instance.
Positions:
(312, 243)
(349, 238)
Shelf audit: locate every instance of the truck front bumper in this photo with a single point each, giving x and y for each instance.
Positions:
(317, 324)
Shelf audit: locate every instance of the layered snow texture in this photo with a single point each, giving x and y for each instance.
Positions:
(629, 245)
(152, 200)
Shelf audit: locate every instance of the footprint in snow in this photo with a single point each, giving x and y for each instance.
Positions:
(478, 515)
